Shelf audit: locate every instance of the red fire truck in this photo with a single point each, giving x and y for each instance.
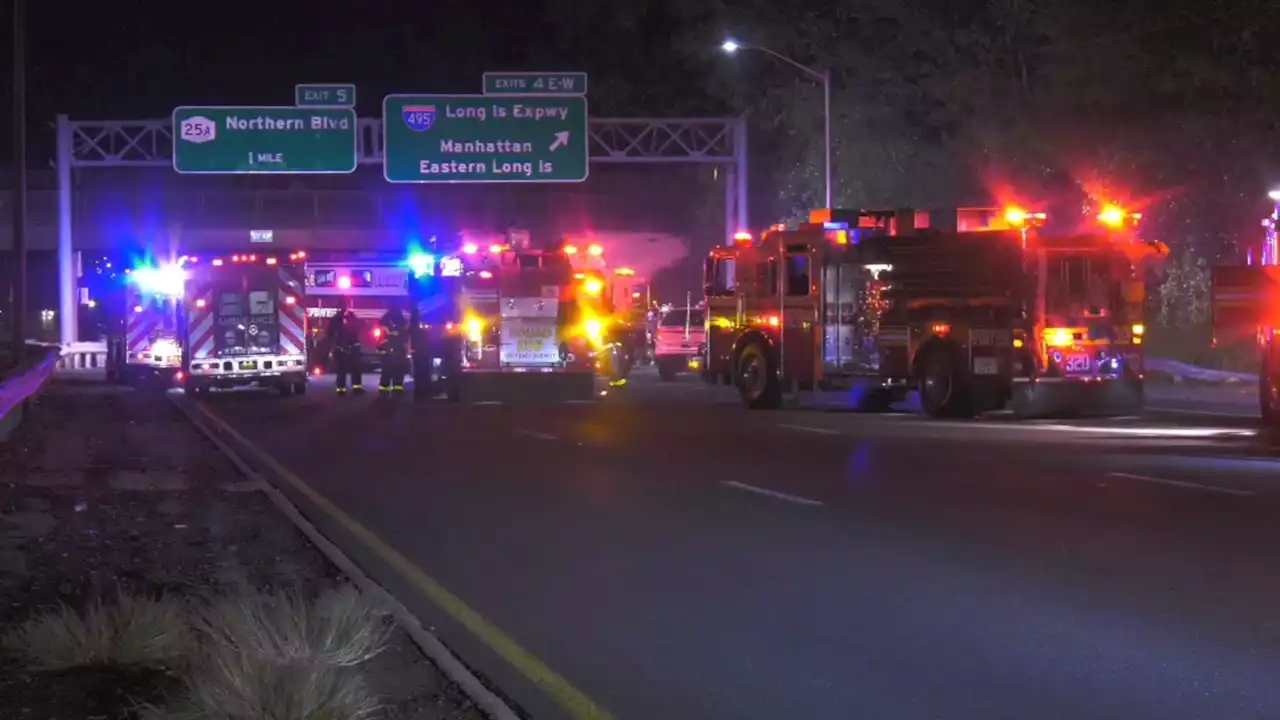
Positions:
(500, 323)
(974, 308)
(1245, 302)
(142, 324)
(245, 322)
(368, 284)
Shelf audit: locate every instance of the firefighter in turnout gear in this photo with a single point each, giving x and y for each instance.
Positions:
(344, 338)
(394, 350)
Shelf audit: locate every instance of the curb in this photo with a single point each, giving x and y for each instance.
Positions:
(444, 658)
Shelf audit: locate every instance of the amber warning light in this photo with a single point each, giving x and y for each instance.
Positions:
(1116, 216)
(1017, 217)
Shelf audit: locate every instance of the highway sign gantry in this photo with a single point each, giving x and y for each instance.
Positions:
(247, 140)
(324, 95)
(484, 139)
(535, 83)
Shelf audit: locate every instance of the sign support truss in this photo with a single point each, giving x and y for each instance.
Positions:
(149, 143)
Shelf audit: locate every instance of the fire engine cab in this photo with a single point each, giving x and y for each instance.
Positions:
(975, 308)
(500, 322)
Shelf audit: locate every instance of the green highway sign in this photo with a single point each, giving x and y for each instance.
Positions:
(324, 95)
(244, 140)
(484, 139)
(535, 83)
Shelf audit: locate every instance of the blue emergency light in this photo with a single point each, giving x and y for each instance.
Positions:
(167, 280)
(421, 264)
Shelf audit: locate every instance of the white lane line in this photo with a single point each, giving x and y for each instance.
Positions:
(488, 402)
(806, 428)
(1214, 413)
(771, 493)
(532, 434)
(1181, 484)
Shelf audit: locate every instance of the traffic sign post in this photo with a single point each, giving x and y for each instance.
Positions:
(535, 83)
(324, 95)
(484, 139)
(247, 140)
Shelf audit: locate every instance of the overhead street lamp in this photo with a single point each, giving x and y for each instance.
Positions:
(732, 46)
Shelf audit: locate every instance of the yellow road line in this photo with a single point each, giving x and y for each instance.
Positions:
(578, 705)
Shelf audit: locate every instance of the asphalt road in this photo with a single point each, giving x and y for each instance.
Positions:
(671, 555)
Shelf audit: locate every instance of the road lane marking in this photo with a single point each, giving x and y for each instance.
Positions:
(1183, 484)
(806, 428)
(487, 402)
(578, 705)
(771, 493)
(532, 434)
(1215, 413)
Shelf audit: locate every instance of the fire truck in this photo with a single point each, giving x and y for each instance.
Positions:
(367, 284)
(975, 308)
(1245, 303)
(501, 323)
(621, 296)
(245, 322)
(142, 325)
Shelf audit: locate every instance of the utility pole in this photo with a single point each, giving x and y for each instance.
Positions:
(18, 183)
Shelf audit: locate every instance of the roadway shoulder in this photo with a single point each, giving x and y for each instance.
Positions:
(111, 502)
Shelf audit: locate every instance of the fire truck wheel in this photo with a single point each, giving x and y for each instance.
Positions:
(300, 387)
(285, 388)
(944, 391)
(758, 378)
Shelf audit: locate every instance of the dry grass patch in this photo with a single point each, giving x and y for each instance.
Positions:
(130, 631)
(279, 657)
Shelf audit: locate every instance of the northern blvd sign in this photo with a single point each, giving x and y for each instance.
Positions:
(535, 83)
(244, 140)
(484, 139)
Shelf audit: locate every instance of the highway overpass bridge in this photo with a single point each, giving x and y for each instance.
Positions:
(114, 188)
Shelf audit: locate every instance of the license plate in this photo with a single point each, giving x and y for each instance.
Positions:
(248, 364)
(525, 346)
(986, 366)
(1077, 363)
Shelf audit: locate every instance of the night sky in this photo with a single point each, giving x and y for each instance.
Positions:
(98, 64)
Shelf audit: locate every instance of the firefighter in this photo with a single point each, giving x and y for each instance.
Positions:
(394, 350)
(344, 337)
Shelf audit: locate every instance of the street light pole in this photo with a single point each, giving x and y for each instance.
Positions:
(826, 114)
(824, 77)
(18, 191)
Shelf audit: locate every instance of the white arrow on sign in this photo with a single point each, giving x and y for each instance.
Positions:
(562, 139)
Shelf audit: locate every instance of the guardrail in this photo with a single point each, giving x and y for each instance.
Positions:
(18, 386)
(89, 358)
